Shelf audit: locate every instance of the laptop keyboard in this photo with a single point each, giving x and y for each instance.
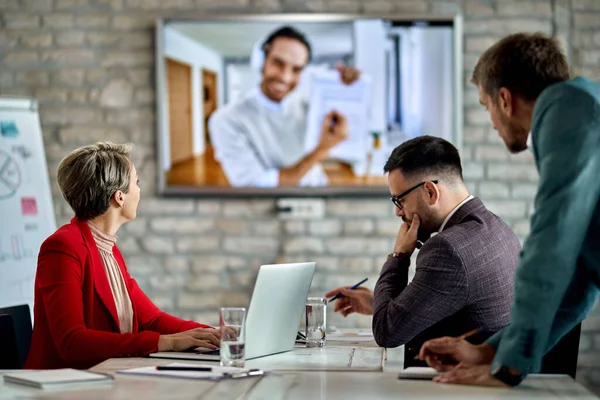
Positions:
(204, 351)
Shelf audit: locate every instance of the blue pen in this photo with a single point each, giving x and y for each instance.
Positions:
(337, 296)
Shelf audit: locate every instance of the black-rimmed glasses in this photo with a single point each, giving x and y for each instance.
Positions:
(397, 199)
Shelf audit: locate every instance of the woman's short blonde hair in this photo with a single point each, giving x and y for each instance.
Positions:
(89, 176)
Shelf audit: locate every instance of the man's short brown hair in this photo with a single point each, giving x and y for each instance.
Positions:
(523, 63)
(89, 176)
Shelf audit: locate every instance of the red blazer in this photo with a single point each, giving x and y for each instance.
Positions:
(75, 317)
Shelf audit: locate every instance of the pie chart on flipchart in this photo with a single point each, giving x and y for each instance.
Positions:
(10, 176)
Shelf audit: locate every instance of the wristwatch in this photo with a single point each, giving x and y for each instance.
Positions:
(394, 254)
(503, 374)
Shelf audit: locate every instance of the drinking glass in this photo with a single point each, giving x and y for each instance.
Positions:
(316, 321)
(233, 336)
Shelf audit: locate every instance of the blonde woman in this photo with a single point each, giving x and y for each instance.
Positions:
(87, 307)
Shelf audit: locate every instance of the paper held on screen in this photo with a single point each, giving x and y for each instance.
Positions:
(328, 93)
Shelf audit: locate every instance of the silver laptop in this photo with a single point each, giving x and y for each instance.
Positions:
(274, 314)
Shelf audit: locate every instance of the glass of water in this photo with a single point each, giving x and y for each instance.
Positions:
(233, 336)
(316, 321)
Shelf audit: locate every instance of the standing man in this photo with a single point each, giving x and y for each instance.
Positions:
(524, 84)
(464, 273)
(259, 141)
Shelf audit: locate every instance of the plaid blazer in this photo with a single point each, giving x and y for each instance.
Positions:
(463, 280)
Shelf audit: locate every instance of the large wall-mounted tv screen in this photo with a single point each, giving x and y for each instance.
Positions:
(300, 104)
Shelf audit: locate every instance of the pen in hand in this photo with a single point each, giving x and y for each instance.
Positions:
(334, 122)
(337, 296)
(463, 336)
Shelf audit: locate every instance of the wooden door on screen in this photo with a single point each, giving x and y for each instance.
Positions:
(179, 82)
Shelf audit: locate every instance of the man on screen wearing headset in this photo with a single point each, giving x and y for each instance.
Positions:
(259, 141)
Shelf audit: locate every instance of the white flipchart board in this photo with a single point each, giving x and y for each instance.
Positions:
(26, 210)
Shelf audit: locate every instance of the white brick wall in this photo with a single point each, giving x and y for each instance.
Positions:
(90, 65)
(325, 227)
(304, 245)
(182, 225)
(494, 190)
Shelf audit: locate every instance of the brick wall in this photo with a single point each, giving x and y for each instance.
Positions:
(90, 65)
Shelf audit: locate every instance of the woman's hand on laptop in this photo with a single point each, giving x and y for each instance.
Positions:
(209, 338)
(359, 300)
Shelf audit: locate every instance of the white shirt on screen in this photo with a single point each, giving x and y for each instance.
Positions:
(256, 137)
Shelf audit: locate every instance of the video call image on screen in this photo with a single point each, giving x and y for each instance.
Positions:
(241, 100)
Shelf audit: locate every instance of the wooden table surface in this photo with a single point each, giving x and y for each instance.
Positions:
(282, 383)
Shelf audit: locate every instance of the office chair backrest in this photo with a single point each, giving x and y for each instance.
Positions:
(562, 359)
(15, 336)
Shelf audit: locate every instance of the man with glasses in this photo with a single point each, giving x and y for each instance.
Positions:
(466, 264)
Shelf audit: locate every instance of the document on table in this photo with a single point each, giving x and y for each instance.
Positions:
(217, 372)
(327, 93)
(328, 358)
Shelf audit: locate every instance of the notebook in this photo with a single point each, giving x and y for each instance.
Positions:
(55, 378)
(418, 373)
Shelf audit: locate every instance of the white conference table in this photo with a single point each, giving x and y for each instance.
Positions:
(285, 383)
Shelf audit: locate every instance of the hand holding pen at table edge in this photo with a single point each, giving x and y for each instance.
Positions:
(444, 341)
(352, 299)
(448, 353)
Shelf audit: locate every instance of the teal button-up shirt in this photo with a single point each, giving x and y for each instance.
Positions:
(558, 278)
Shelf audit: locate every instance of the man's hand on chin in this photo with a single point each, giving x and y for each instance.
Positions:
(478, 375)
(406, 241)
